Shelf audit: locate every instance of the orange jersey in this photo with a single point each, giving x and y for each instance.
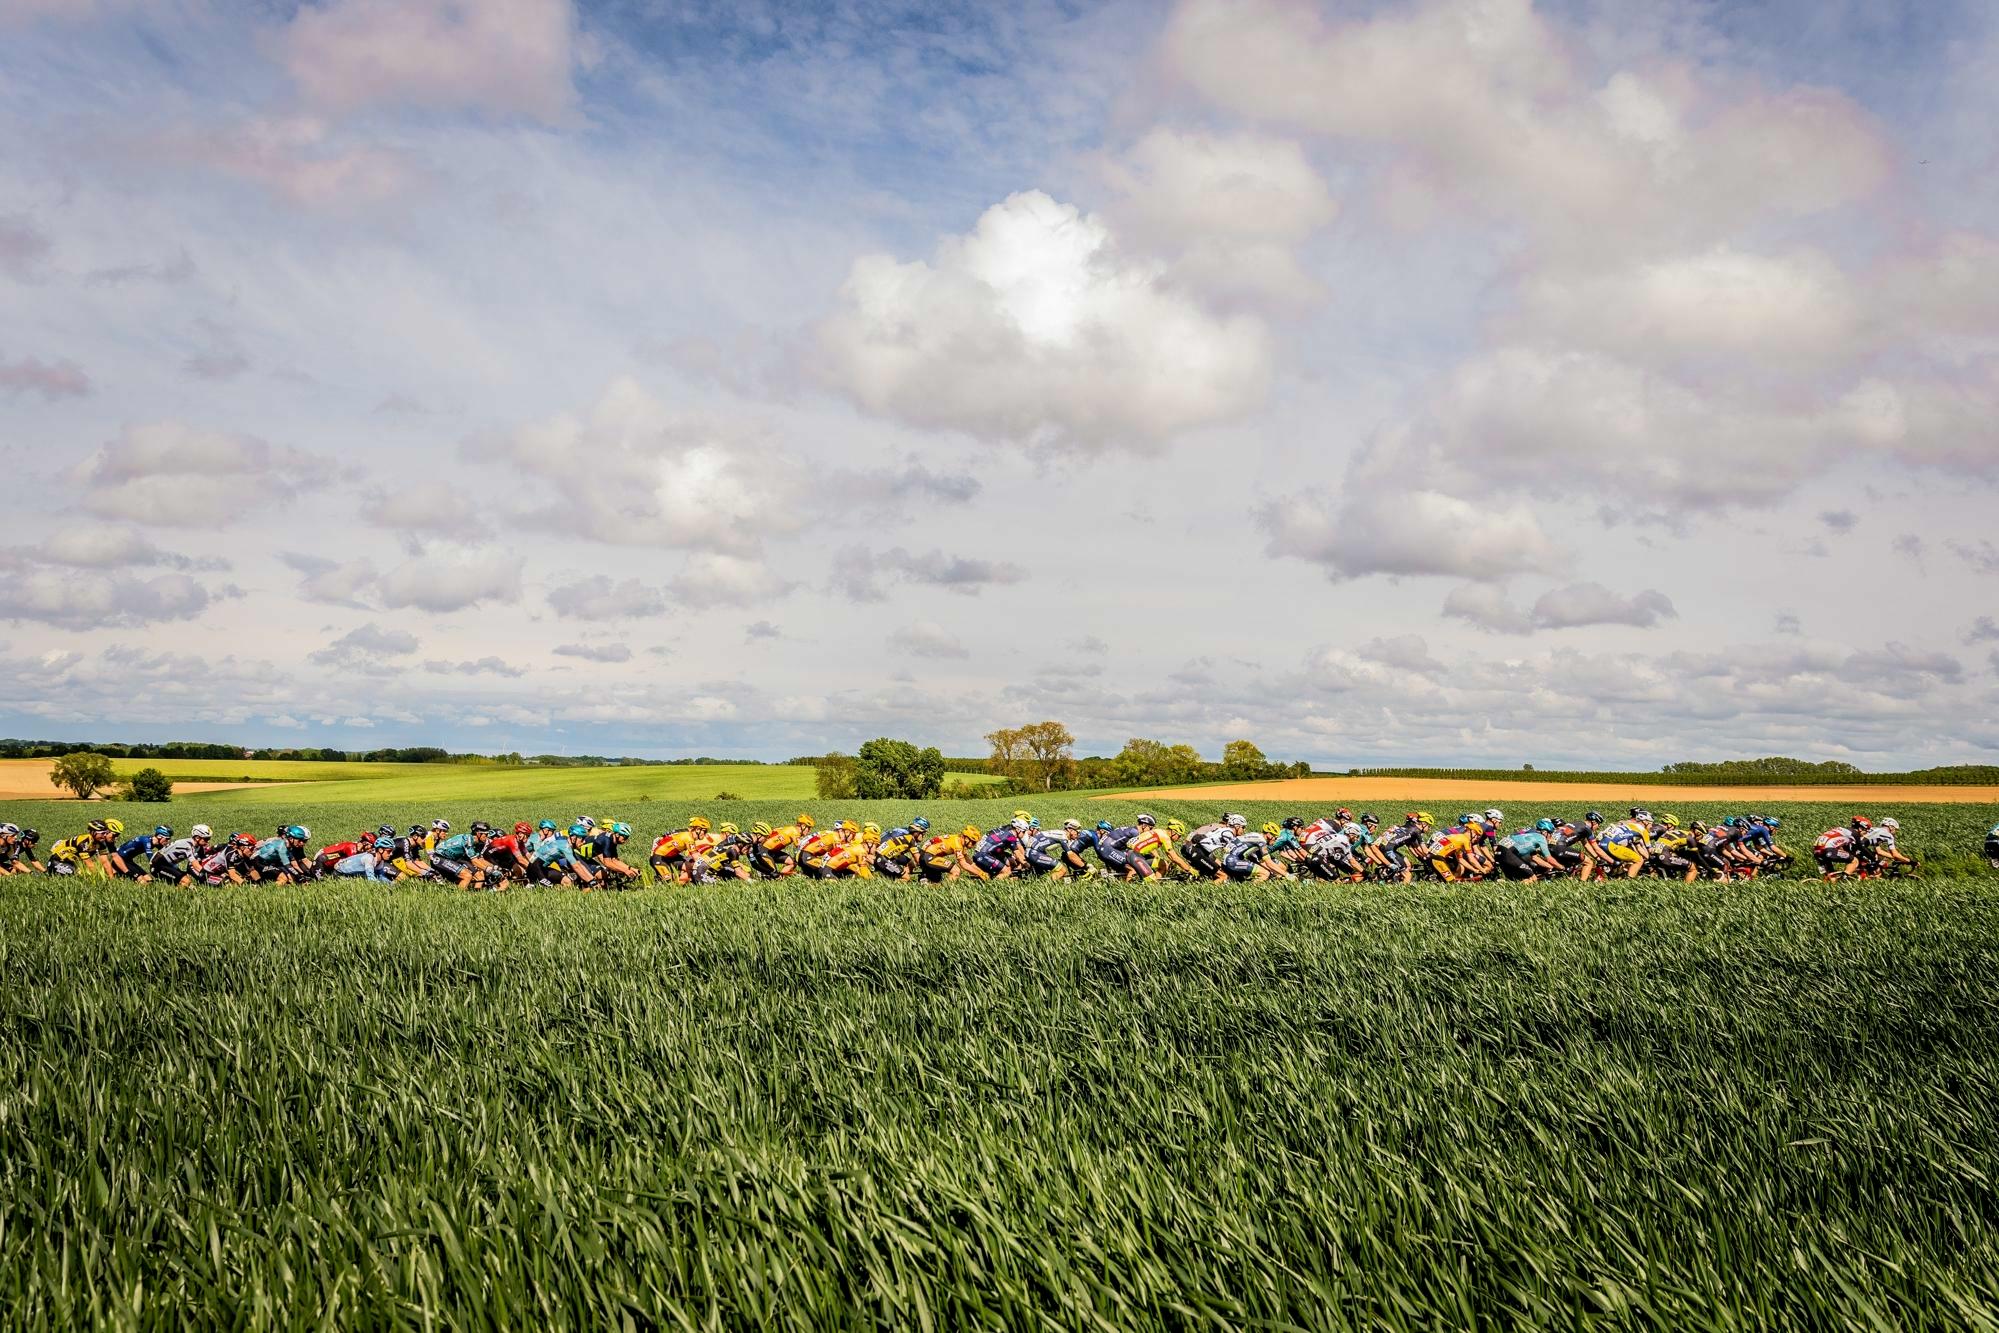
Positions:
(944, 850)
(780, 838)
(674, 846)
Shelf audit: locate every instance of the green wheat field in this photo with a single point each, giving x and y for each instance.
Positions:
(1643, 1105)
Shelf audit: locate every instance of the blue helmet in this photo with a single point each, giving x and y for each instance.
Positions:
(1104, 826)
(548, 826)
(297, 832)
(1771, 821)
(1545, 825)
(579, 830)
(621, 829)
(385, 844)
(920, 824)
(163, 832)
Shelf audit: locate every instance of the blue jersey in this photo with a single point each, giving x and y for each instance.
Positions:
(273, 852)
(1286, 841)
(1759, 835)
(552, 849)
(1086, 841)
(364, 865)
(133, 849)
(998, 842)
(1117, 840)
(1527, 842)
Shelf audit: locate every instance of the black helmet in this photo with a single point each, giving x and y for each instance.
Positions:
(481, 826)
(1593, 817)
(31, 835)
(417, 830)
(1294, 822)
(99, 826)
(386, 831)
(1367, 817)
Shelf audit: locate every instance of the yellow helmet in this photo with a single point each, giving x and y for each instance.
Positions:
(116, 826)
(699, 821)
(849, 826)
(1670, 821)
(1271, 830)
(727, 829)
(759, 830)
(970, 830)
(871, 830)
(1425, 818)
(806, 821)
(1022, 814)
(1175, 827)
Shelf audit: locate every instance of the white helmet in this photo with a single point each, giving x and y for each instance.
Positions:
(1019, 824)
(1072, 824)
(1235, 821)
(201, 831)
(1891, 823)
(1495, 816)
(440, 825)
(9, 831)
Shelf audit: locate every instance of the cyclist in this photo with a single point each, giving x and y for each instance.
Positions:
(895, 855)
(461, 857)
(91, 849)
(1329, 852)
(1247, 857)
(999, 849)
(230, 863)
(1837, 850)
(671, 851)
(552, 859)
(1401, 844)
(726, 856)
(374, 862)
(1624, 844)
(1450, 853)
(1047, 854)
(134, 857)
(1154, 845)
(1672, 851)
(606, 844)
(1076, 841)
(1526, 856)
(775, 854)
(17, 851)
(855, 857)
(947, 855)
(1878, 850)
(1114, 850)
(815, 851)
(1992, 846)
(281, 858)
(439, 830)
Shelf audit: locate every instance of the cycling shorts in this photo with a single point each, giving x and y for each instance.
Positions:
(989, 863)
(1621, 851)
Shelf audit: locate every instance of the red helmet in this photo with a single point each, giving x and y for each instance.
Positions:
(522, 829)
(1343, 813)
(1862, 821)
(242, 840)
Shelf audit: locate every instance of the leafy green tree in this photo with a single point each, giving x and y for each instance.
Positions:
(836, 777)
(888, 770)
(149, 784)
(1148, 763)
(1242, 760)
(1039, 756)
(81, 773)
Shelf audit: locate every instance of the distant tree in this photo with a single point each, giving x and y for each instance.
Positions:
(1039, 756)
(1148, 763)
(835, 778)
(1242, 760)
(888, 770)
(149, 784)
(727, 796)
(1527, 768)
(81, 773)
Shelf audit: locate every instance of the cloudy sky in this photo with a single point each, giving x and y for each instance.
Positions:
(1471, 381)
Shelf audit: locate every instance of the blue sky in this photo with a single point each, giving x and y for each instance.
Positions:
(1465, 381)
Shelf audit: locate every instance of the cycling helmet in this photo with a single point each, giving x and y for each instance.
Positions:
(1104, 826)
(1293, 821)
(116, 826)
(1175, 827)
(806, 821)
(481, 826)
(31, 836)
(728, 830)
(620, 829)
(970, 830)
(98, 826)
(849, 826)
(1466, 817)
(1235, 821)
(1496, 815)
(871, 830)
(1019, 824)
(242, 840)
(1890, 822)
(1270, 830)
(1343, 814)
(162, 831)
(1020, 814)
(1424, 818)
(1146, 821)
(1773, 822)
(9, 831)
(759, 830)
(1034, 823)
(416, 831)
(580, 829)
(1862, 822)
(297, 832)
(1670, 821)
(1071, 825)
(385, 844)
(1368, 818)
(922, 825)
(546, 826)
(1593, 817)
(441, 825)
(522, 828)
(1730, 822)
(1545, 825)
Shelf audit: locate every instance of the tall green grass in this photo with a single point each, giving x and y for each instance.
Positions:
(1761, 1105)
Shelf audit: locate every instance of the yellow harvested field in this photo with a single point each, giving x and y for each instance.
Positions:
(1419, 791)
(31, 783)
